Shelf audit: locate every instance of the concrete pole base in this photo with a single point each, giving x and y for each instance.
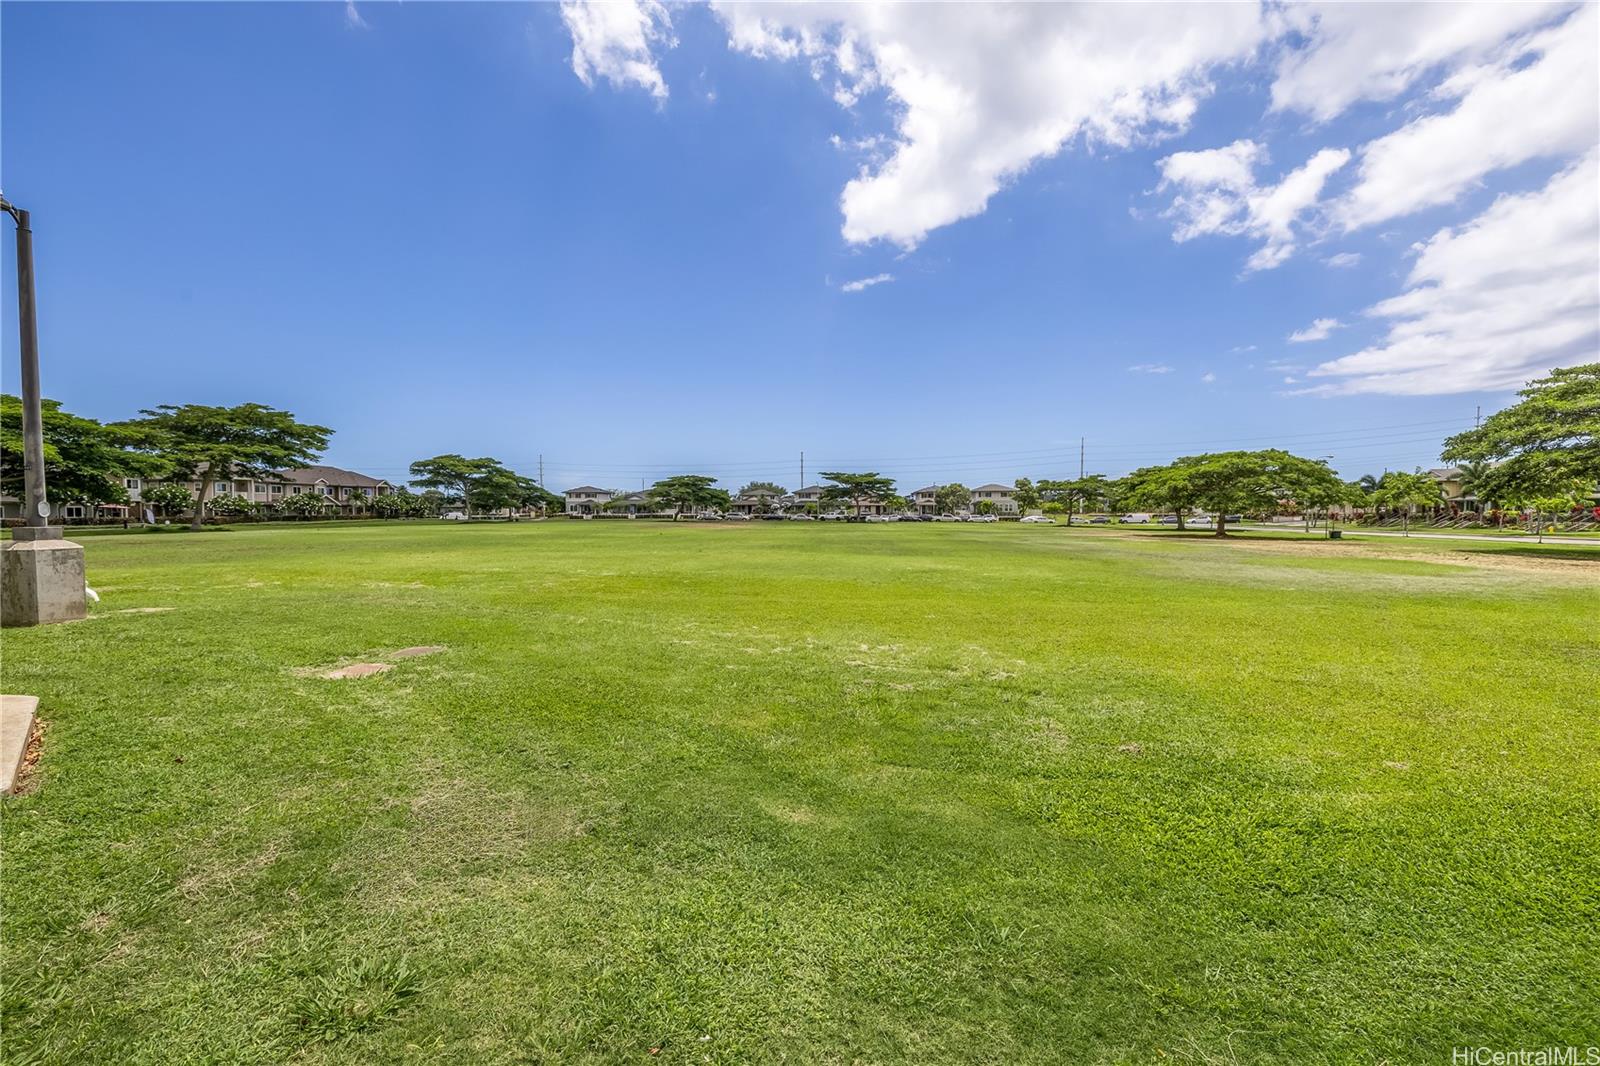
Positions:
(41, 581)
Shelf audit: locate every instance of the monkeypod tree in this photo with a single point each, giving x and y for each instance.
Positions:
(84, 461)
(1236, 481)
(1541, 445)
(691, 492)
(452, 475)
(1069, 494)
(212, 444)
(854, 488)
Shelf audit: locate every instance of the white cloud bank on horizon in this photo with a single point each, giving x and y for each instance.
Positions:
(1492, 303)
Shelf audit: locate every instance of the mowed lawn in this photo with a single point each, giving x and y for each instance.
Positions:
(806, 793)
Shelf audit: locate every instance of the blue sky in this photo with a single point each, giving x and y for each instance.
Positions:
(624, 238)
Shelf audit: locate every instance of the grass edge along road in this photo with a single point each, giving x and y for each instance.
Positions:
(843, 793)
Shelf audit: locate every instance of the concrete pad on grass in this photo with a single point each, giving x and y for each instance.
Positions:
(16, 726)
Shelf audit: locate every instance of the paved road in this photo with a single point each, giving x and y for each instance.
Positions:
(1555, 539)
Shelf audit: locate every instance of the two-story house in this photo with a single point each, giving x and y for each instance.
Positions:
(587, 499)
(999, 495)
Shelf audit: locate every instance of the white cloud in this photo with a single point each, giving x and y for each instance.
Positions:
(1150, 368)
(1216, 192)
(1317, 331)
(352, 17)
(981, 92)
(1494, 302)
(1355, 52)
(1511, 110)
(1343, 259)
(865, 283)
(615, 41)
(1208, 377)
(1243, 348)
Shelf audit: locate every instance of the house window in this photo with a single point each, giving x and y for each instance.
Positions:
(322, 490)
(72, 510)
(130, 483)
(277, 490)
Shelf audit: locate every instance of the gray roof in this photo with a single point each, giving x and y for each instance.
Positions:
(925, 488)
(992, 487)
(587, 488)
(330, 475)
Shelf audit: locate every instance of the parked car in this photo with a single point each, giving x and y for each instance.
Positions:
(1232, 518)
(985, 518)
(735, 516)
(1039, 519)
(1135, 517)
(883, 518)
(1099, 520)
(1168, 520)
(801, 518)
(453, 516)
(946, 518)
(833, 516)
(709, 516)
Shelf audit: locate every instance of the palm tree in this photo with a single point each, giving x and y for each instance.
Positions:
(1473, 474)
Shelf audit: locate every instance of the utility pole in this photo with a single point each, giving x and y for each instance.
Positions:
(541, 470)
(1080, 457)
(1477, 420)
(802, 470)
(43, 574)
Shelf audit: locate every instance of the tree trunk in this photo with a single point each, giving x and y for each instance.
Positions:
(1222, 522)
(1179, 512)
(200, 503)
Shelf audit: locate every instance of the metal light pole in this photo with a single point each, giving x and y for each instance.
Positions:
(36, 504)
(41, 575)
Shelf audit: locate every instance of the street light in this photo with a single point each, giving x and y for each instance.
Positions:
(41, 575)
(36, 504)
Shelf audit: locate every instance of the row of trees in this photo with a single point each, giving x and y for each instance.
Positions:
(1542, 453)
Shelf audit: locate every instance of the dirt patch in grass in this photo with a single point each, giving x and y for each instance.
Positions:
(1474, 559)
(354, 670)
(143, 610)
(420, 649)
(1131, 748)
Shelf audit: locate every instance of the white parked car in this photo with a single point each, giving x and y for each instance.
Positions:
(1039, 519)
(833, 516)
(1136, 517)
(735, 516)
(946, 518)
(800, 518)
(985, 518)
(453, 516)
(882, 518)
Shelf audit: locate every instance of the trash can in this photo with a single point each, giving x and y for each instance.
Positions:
(1335, 534)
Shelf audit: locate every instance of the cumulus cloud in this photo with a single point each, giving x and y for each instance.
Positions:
(1494, 302)
(1215, 191)
(1356, 52)
(1539, 97)
(1317, 331)
(1150, 368)
(615, 40)
(1208, 377)
(1343, 259)
(982, 92)
(865, 283)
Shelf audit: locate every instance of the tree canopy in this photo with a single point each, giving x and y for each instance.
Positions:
(1234, 481)
(692, 492)
(1547, 444)
(1079, 490)
(84, 461)
(951, 498)
(854, 488)
(763, 486)
(208, 444)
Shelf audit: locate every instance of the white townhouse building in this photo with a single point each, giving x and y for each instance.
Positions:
(587, 499)
(758, 501)
(338, 486)
(1000, 495)
(925, 500)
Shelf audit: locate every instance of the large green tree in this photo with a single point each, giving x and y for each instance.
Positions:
(1236, 481)
(855, 488)
(691, 492)
(1403, 492)
(1071, 493)
(1026, 494)
(1543, 445)
(210, 444)
(952, 498)
(84, 461)
(452, 475)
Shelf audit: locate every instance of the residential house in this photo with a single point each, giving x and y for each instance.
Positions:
(925, 500)
(587, 499)
(634, 504)
(999, 495)
(337, 485)
(808, 497)
(757, 501)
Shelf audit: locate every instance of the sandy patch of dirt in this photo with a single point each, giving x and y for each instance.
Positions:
(1482, 560)
(1396, 765)
(355, 670)
(1131, 748)
(143, 610)
(414, 652)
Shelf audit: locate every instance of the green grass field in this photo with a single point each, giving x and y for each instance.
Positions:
(807, 793)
